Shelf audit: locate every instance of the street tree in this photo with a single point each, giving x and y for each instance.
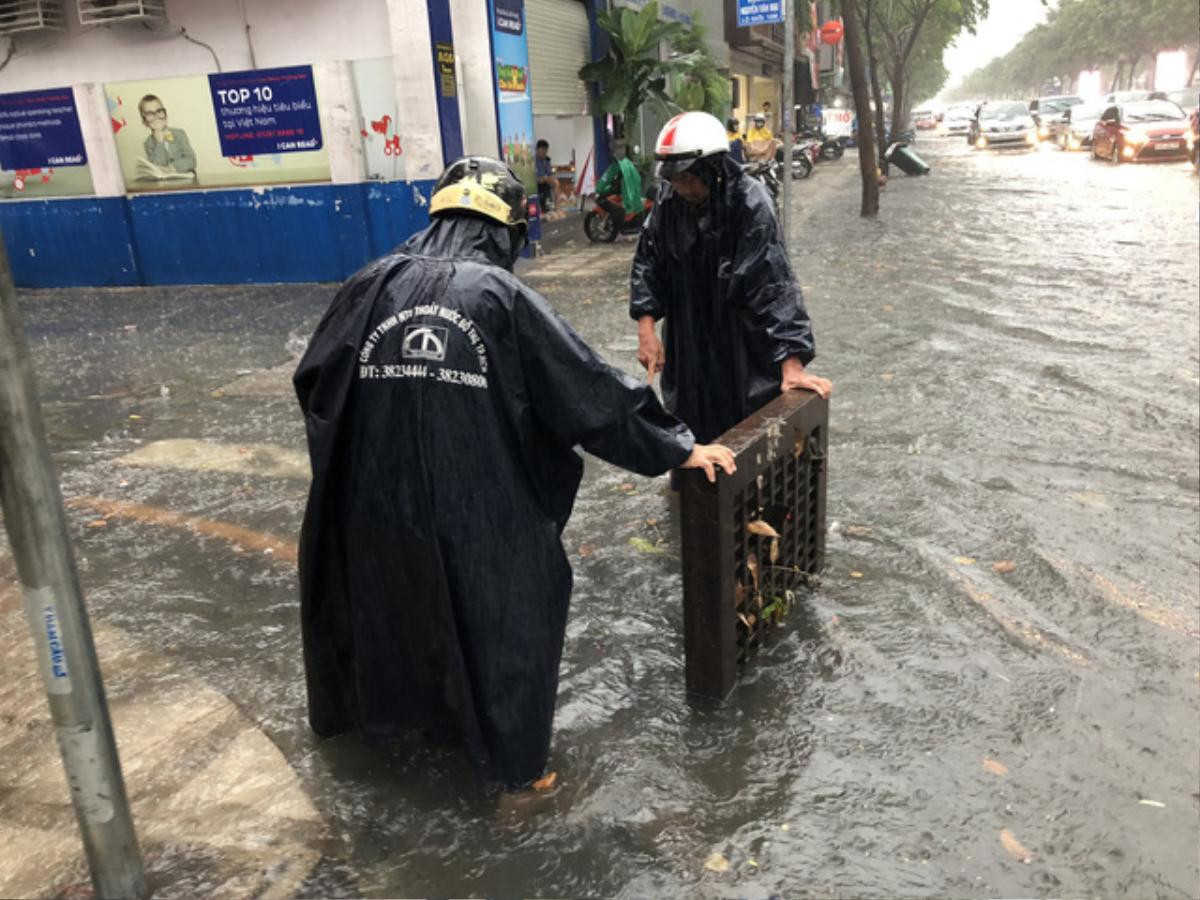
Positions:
(703, 85)
(856, 59)
(1122, 38)
(630, 74)
(907, 31)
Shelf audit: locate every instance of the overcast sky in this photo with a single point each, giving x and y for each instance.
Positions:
(1009, 21)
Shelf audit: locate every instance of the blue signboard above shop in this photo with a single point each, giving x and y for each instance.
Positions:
(266, 111)
(40, 129)
(510, 16)
(759, 12)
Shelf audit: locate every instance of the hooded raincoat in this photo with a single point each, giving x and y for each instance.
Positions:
(719, 275)
(442, 400)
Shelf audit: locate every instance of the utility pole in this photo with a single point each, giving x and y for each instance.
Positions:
(789, 111)
(37, 531)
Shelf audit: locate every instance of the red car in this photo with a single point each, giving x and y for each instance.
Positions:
(1141, 130)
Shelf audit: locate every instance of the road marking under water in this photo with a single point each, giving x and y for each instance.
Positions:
(269, 460)
(206, 784)
(279, 548)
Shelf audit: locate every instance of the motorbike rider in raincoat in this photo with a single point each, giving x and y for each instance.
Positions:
(621, 177)
(442, 399)
(711, 262)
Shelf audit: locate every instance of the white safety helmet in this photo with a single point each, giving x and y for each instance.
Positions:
(686, 138)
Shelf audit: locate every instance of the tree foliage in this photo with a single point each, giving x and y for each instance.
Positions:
(908, 38)
(703, 85)
(1114, 35)
(631, 73)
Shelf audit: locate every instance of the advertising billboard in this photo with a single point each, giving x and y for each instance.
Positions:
(41, 145)
(222, 130)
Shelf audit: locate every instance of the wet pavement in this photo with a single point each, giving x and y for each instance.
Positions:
(995, 690)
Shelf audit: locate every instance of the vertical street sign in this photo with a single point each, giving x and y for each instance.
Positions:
(58, 620)
(789, 111)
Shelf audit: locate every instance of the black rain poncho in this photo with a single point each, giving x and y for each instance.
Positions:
(719, 275)
(442, 400)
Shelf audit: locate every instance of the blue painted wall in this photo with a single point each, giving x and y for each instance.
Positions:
(303, 233)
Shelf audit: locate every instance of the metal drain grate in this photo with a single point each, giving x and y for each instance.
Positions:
(752, 540)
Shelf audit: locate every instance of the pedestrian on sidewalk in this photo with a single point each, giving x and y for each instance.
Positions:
(442, 400)
(711, 262)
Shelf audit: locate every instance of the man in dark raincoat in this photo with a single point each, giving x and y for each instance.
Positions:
(442, 400)
(711, 261)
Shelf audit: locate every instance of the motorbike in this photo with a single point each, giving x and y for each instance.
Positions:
(805, 153)
(599, 226)
(768, 173)
(831, 148)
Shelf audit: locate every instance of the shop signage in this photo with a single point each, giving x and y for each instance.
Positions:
(666, 12)
(759, 12)
(514, 102)
(509, 16)
(266, 111)
(445, 69)
(40, 129)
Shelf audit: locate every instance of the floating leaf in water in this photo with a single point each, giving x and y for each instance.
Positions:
(627, 487)
(717, 862)
(995, 767)
(888, 376)
(644, 546)
(1153, 803)
(857, 530)
(1004, 567)
(762, 529)
(856, 574)
(546, 782)
(965, 560)
(586, 550)
(1013, 847)
(98, 523)
(887, 307)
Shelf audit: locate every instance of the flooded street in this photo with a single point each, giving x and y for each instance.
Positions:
(994, 691)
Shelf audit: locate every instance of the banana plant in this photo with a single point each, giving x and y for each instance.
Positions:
(631, 73)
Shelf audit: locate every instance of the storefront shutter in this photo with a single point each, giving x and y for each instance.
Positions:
(558, 46)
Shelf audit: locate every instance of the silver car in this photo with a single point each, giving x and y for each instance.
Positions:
(1074, 132)
(1003, 123)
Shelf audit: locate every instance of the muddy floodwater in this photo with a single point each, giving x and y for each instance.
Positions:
(994, 691)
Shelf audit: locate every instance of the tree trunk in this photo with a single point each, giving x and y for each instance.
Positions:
(1195, 65)
(876, 90)
(1116, 82)
(862, 105)
(1132, 72)
(899, 99)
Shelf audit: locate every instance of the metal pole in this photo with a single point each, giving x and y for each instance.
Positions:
(789, 112)
(37, 531)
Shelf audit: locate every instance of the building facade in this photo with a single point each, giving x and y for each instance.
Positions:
(223, 141)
